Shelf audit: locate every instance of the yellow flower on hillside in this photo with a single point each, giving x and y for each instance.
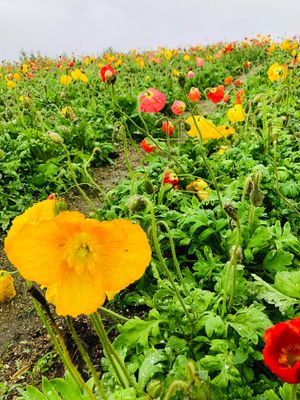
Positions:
(272, 48)
(65, 80)
(17, 76)
(200, 187)
(77, 74)
(25, 68)
(78, 259)
(175, 72)
(186, 57)
(277, 71)
(10, 84)
(288, 45)
(207, 128)
(7, 288)
(24, 99)
(236, 113)
(168, 54)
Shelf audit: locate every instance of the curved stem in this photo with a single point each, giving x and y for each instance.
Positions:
(113, 356)
(86, 357)
(163, 263)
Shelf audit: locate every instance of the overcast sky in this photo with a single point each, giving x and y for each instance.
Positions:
(90, 26)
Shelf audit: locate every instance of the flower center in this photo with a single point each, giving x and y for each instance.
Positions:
(148, 95)
(80, 254)
(289, 355)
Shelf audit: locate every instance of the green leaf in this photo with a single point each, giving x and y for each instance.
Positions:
(277, 260)
(260, 238)
(50, 390)
(137, 331)
(265, 291)
(249, 322)
(33, 393)
(151, 366)
(288, 283)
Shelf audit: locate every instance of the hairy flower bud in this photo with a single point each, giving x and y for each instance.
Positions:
(231, 211)
(137, 203)
(55, 137)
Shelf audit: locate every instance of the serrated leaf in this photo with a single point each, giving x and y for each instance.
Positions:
(150, 366)
(137, 331)
(250, 322)
(277, 260)
(49, 390)
(265, 291)
(288, 283)
(33, 393)
(260, 238)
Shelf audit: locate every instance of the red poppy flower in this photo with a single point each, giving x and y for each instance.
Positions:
(216, 94)
(178, 107)
(151, 101)
(239, 96)
(247, 64)
(145, 145)
(172, 178)
(282, 350)
(238, 83)
(108, 74)
(168, 128)
(194, 95)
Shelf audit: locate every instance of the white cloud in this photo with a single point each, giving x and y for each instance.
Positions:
(55, 26)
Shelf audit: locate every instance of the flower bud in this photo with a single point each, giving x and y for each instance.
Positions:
(181, 79)
(137, 203)
(231, 211)
(55, 137)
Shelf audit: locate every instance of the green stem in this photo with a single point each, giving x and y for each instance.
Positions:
(75, 179)
(114, 314)
(86, 358)
(178, 270)
(61, 349)
(232, 264)
(250, 220)
(116, 362)
(163, 263)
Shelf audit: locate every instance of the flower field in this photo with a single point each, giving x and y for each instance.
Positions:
(200, 239)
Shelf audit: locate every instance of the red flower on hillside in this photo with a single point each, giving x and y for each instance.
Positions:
(145, 145)
(238, 83)
(168, 128)
(108, 74)
(172, 178)
(178, 107)
(151, 101)
(194, 95)
(216, 94)
(228, 80)
(282, 350)
(239, 96)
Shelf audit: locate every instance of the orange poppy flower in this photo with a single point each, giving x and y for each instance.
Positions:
(78, 259)
(145, 145)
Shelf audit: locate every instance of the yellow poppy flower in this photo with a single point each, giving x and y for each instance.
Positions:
(222, 150)
(77, 74)
(277, 71)
(200, 187)
(67, 112)
(7, 288)
(226, 130)
(236, 113)
(10, 84)
(65, 80)
(168, 54)
(207, 129)
(79, 260)
(25, 68)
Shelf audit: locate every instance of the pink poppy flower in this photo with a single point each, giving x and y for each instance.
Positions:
(151, 101)
(178, 107)
(199, 62)
(108, 74)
